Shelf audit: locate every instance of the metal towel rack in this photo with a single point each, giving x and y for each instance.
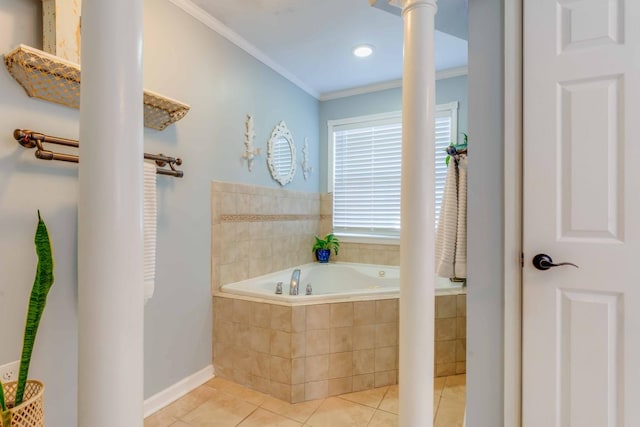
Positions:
(31, 139)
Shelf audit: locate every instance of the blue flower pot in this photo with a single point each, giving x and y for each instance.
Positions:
(322, 255)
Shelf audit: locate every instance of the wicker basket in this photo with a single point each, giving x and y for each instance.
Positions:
(31, 412)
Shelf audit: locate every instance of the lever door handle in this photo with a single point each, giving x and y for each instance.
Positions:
(544, 262)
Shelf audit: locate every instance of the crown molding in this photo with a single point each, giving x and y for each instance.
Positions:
(203, 16)
(392, 84)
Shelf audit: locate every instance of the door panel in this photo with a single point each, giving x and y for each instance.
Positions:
(581, 327)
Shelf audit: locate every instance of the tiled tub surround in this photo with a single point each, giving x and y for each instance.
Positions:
(258, 230)
(305, 352)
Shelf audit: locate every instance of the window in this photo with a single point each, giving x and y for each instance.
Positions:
(365, 170)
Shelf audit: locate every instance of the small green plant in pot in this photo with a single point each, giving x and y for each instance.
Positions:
(322, 248)
(21, 402)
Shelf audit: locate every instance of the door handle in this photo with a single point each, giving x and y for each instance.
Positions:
(544, 262)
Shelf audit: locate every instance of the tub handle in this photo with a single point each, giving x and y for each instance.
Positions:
(309, 290)
(279, 288)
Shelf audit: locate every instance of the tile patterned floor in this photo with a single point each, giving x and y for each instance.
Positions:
(221, 403)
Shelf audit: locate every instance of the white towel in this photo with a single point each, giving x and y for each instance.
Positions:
(150, 218)
(460, 266)
(451, 235)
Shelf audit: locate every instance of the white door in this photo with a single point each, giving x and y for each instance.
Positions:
(581, 326)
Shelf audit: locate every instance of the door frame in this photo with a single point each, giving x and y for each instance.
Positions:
(513, 192)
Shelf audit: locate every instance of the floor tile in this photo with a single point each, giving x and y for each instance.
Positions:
(220, 410)
(162, 418)
(384, 419)
(438, 385)
(238, 391)
(296, 411)
(263, 418)
(390, 401)
(450, 413)
(336, 412)
(180, 407)
(180, 424)
(455, 388)
(370, 398)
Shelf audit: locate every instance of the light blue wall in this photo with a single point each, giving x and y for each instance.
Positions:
(184, 60)
(447, 90)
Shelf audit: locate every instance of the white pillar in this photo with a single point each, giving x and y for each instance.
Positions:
(110, 244)
(417, 253)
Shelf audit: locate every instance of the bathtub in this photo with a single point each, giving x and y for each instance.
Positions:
(332, 282)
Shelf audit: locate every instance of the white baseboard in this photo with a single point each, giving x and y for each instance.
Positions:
(176, 391)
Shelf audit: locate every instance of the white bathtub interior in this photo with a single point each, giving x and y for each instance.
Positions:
(333, 280)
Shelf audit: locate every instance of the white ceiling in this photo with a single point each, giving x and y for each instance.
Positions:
(311, 40)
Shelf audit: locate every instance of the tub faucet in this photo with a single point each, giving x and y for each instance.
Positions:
(295, 282)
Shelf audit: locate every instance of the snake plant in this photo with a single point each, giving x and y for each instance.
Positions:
(37, 302)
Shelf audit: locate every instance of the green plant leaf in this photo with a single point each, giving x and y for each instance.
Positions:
(37, 302)
(3, 405)
(6, 417)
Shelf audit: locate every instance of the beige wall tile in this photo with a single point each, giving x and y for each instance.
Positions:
(318, 342)
(316, 368)
(341, 365)
(224, 332)
(445, 369)
(445, 352)
(242, 333)
(281, 318)
(446, 306)
(341, 314)
(261, 365)
(318, 316)
(260, 339)
(260, 384)
(446, 329)
(316, 390)
(261, 314)
(385, 359)
(386, 334)
(363, 382)
(461, 305)
(242, 311)
(298, 344)
(297, 393)
(461, 327)
(364, 337)
(341, 339)
(364, 312)
(223, 308)
(461, 367)
(280, 370)
(299, 318)
(339, 386)
(280, 391)
(297, 371)
(363, 362)
(280, 344)
(387, 311)
(461, 350)
(386, 378)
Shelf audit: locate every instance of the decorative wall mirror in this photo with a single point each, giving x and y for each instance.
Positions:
(281, 154)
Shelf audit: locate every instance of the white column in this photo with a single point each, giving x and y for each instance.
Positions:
(417, 253)
(110, 244)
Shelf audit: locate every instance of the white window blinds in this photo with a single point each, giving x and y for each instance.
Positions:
(366, 192)
(366, 161)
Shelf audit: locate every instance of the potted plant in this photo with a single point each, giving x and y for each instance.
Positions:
(322, 248)
(21, 402)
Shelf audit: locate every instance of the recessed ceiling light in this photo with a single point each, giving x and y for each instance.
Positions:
(363, 50)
